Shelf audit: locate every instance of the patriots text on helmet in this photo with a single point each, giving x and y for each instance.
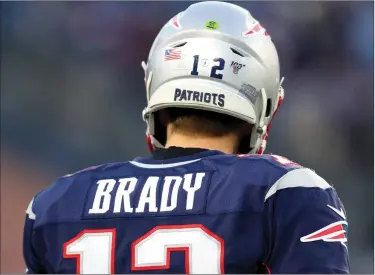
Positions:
(195, 96)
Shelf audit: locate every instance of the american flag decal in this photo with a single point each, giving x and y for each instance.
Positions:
(172, 54)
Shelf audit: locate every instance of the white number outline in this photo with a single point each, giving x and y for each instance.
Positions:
(185, 249)
(112, 231)
(78, 256)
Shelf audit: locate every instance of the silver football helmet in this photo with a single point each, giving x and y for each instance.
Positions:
(214, 56)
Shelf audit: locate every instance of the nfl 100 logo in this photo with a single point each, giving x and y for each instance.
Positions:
(236, 66)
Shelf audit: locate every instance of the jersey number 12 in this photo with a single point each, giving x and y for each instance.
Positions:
(94, 250)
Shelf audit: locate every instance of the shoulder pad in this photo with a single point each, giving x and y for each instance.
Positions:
(82, 170)
(48, 202)
(275, 160)
(29, 211)
(299, 178)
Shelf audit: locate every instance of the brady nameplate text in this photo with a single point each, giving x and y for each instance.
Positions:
(147, 195)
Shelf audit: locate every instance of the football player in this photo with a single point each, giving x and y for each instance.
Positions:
(207, 201)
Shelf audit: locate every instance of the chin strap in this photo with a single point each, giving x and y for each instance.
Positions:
(149, 142)
(261, 129)
(265, 129)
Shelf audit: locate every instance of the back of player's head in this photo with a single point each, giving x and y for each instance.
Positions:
(214, 57)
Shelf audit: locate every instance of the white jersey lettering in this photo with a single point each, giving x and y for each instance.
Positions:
(120, 195)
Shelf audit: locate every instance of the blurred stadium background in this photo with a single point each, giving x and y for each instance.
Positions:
(72, 95)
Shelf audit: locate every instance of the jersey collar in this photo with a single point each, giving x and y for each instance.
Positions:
(177, 154)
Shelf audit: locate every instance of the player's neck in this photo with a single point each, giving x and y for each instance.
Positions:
(226, 144)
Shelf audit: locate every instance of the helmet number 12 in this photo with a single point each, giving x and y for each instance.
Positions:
(220, 66)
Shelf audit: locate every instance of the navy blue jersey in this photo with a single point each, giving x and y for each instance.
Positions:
(204, 213)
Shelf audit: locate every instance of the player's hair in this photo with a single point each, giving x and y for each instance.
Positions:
(204, 122)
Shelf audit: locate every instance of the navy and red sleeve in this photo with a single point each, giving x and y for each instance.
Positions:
(306, 226)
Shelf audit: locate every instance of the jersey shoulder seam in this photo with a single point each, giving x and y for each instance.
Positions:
(280, 184)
